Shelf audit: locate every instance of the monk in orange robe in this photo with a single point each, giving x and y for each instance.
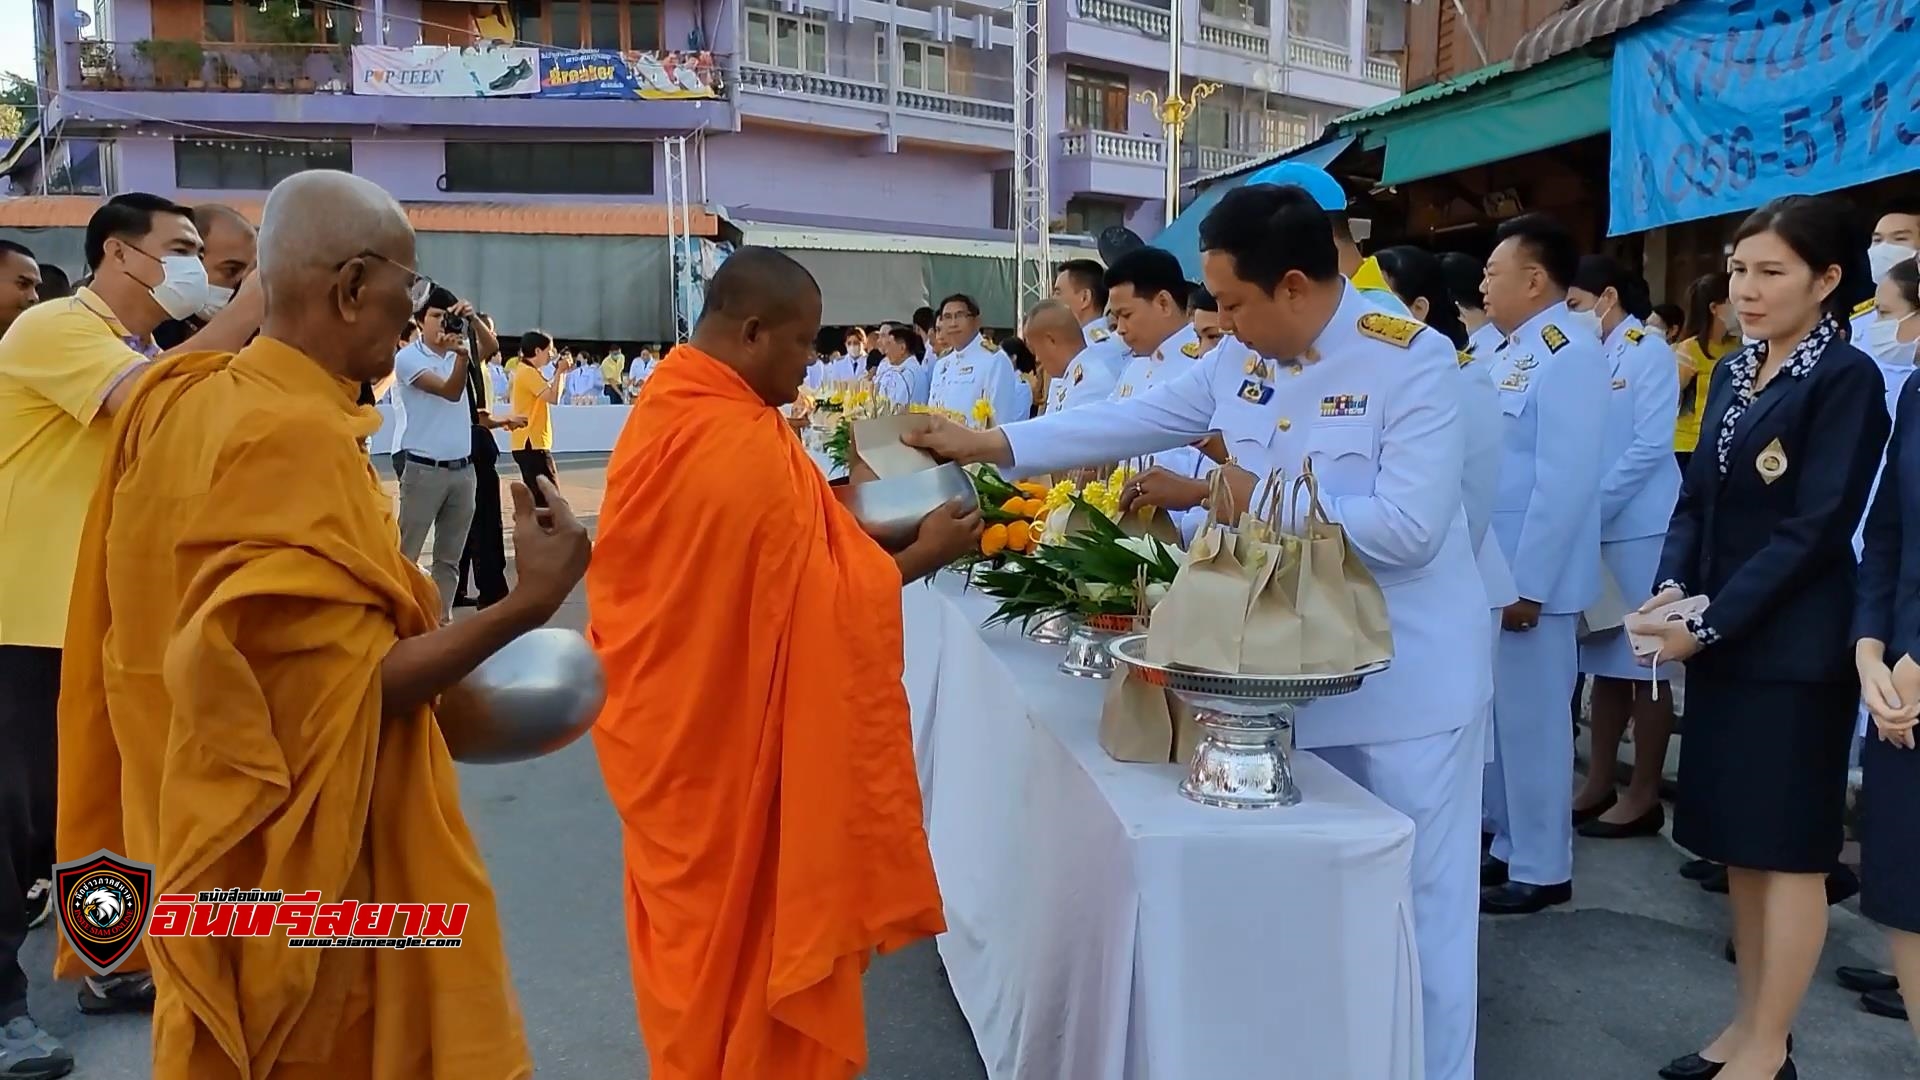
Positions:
(755, 739)
(249, 675)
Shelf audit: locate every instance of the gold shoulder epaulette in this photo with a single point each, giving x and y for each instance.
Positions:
(1862, 308)
(1554, 337)
(1391, 329)
(1635, 334)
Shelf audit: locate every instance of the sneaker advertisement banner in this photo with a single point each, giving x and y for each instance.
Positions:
(605, 74)
(442, 71)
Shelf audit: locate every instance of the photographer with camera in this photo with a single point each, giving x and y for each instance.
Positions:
(434, 452)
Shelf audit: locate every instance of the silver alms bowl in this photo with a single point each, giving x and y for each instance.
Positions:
(891, 510)
(540, 692)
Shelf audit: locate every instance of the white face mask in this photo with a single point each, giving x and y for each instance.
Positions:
(1590, 321)
(183, 291)
(1884, 256)
(1880, 341)
(217, 300)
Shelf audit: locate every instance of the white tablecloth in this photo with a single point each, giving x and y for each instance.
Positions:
(577, 429)
(1102, 927)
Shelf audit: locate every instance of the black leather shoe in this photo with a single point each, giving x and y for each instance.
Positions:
(1581, 817)
(1520, 898)
(1865, 980)
(1691, 1067)
(1647, 824)
(1787, 1069)
(1887, 1003)
(1732, 957)
(1492, 871)
(1699, 869)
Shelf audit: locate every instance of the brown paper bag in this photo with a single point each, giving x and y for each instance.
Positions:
(1344, 612)
(1135, 722)
(877, 442)
(1151, 521)
(1201, 620)
(1275, 632)
(1186, 731)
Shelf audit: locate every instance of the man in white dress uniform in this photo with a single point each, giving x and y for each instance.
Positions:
(1553, 397)
(1373, 399)
(973, 372)
(1637, 493)
(1076, 371)
(1081, 285)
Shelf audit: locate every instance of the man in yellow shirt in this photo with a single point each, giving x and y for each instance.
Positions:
(65, 368)
(531, 393)
(613, 371)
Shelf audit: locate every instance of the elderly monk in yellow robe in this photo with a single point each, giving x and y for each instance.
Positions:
(250, 673)
(755, 739)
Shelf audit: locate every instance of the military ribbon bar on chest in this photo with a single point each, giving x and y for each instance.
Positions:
(1343, 405)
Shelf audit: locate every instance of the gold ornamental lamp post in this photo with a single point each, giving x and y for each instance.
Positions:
(1174, 112)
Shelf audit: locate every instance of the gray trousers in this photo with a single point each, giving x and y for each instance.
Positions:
(440, 500)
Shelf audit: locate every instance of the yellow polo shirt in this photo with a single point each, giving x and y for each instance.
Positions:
(58, 362)
(525, 389)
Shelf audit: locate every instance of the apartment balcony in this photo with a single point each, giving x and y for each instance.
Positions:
(1383, 71)
(1207, 160)
(1111, 164)
(1247, 39)
(1145, 18)
(862, 106)
(1304, 52)
(212, 83)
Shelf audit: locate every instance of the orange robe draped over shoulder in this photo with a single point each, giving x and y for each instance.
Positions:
(755, 739)
(239, 585)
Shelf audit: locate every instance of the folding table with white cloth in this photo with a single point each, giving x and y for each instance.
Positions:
(1102, 926)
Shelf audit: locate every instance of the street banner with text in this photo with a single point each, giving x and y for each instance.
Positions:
(442, 71)
(1721, 105)
(587, 73)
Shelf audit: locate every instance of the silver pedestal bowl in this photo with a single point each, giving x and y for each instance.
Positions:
(1087, 656)
(1245, 757)
(1052, 630)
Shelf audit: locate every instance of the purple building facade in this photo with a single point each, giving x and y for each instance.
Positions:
(887, 117)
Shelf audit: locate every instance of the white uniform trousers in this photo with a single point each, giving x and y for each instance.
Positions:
(1529, 790)
(1435, 780)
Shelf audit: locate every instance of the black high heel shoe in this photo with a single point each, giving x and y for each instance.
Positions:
(1695, 1067)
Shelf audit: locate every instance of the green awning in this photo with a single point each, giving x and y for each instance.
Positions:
(1488, 115)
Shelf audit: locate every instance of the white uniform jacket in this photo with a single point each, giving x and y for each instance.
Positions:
(1378, 412)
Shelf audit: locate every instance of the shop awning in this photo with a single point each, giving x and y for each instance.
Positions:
(1489, 115)
(1182, 238)
(1565, 31)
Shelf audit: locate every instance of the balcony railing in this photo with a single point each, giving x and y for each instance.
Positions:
(828, 87)
(1320, 55)
(1212, 159)
(188, 65)
(1383, 71)
(982, 110)
(1251, 41)
(1113, 146)
(1149, 20)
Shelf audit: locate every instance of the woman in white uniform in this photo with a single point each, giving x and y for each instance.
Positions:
(1637, 494)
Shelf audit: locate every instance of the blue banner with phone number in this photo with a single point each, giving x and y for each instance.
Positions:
(1723, 104)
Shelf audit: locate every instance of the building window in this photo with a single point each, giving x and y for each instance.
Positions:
(214, 165)
(1283, 130)
(610, 25)
(1096, 100)
(923, 65)
(549, 168)
(1213, 126)
(1094, 216)
(282, 22)
(1253, 12)
(786, 41)
(1299, 19)
(1003, 198)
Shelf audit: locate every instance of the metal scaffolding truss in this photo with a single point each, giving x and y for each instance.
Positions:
(1033, 263)
(680, 244)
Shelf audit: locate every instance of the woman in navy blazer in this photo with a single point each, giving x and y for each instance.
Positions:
(1790, 440)
(1887, 625)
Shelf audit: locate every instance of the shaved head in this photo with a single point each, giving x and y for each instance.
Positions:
(337, 262)
(762, 313)
(760, 282)
(1053, 332)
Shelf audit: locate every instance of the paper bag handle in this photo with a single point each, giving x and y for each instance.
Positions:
(1315, 512)
(1220, 509)
(1276, 492)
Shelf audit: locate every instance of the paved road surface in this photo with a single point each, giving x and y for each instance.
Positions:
(1607, 989)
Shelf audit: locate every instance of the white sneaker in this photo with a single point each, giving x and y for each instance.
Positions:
(39, 903)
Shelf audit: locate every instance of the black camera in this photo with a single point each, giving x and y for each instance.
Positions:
(454, 324)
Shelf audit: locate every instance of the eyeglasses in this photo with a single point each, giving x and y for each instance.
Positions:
(419, 286)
